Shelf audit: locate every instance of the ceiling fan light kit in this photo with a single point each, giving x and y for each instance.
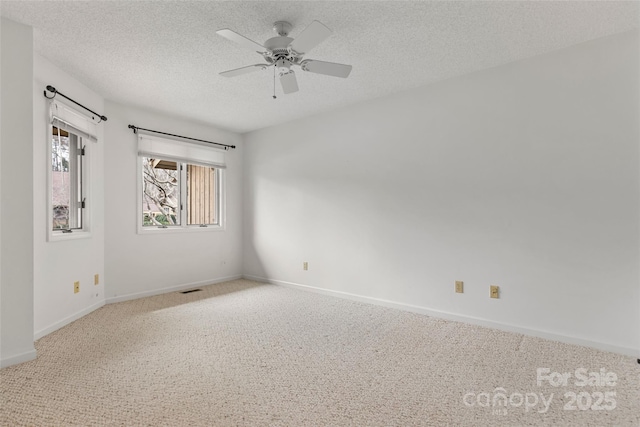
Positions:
(283, 52)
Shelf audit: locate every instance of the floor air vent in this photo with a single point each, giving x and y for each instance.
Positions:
(190, 290)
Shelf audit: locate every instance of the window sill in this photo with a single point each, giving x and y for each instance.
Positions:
(190, 229)
(58, 236)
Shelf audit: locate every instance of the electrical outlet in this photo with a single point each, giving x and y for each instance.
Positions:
(96, 279)
(459, 286)
(76, 287)
(495, 291)
(305, 265)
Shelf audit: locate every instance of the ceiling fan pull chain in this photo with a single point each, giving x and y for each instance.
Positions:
(274, 82)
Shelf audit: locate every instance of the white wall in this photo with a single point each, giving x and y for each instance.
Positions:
(16, 194)
(139, 265)
(58, 264)
(524, 176)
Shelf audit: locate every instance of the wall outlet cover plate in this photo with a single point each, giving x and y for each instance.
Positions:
(495, 291)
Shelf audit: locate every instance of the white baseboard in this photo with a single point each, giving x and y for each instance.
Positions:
(136, 295)
(64, 322)
(627, 351)
(18, 358)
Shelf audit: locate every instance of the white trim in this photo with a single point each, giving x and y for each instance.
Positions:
(136, 295)
(627, 351)
(149, 230)
(18, 358)
(59, 236)
(64, 322)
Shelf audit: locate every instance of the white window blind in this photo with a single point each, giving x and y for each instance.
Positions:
(180, 151)
(66, 118)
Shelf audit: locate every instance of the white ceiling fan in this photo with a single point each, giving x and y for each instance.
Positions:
(283, 52)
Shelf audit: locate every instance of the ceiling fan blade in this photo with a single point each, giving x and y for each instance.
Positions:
(312, 36)
(244, 70)
(328, 68)
(289, 82)
(241, 40)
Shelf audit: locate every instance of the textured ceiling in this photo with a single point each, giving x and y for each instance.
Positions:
(166, 56)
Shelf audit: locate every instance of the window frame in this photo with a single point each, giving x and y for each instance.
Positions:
(84, 231)
(220, 188)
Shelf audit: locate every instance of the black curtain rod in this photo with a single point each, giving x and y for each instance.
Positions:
(136, 129)
(55, 92)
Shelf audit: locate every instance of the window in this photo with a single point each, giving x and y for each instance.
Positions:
(163, 184)
(201, 195)
(69, 135)
(67, 164)
(160, 193)
(181, 185)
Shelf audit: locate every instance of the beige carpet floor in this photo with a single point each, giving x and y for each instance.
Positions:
(244, 353)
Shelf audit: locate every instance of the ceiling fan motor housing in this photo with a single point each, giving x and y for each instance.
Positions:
(277, 48)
